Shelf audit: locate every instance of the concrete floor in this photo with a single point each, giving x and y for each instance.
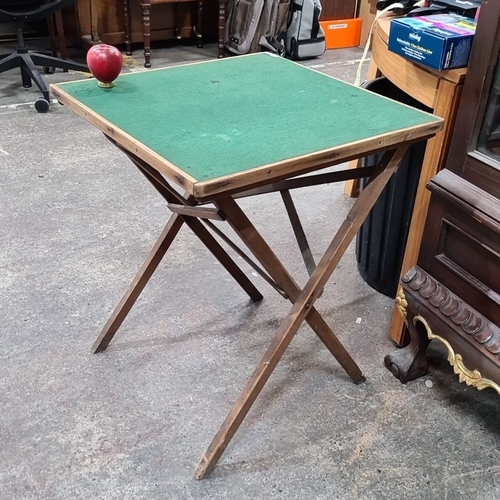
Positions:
(76, 222)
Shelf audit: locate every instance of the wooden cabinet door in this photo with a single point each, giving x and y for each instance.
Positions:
(461, 243)
(475, 147)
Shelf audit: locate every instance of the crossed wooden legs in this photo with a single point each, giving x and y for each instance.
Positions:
(151, 263)
(302, 300)
(160, 248)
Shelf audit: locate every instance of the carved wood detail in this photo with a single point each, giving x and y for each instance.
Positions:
(431, 311)
(473, 324)
(469, 377)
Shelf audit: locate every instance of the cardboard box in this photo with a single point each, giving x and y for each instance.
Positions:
(441, 41)
(342, 33)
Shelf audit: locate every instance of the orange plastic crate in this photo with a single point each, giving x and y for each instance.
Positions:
(342, 33)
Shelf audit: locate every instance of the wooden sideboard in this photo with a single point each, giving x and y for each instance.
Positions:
(452, 295)
(103, 21)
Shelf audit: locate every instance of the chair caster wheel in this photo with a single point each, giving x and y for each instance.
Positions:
(42, 105)
(48, 70)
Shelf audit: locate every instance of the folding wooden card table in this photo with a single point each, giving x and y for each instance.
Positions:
(244, 126)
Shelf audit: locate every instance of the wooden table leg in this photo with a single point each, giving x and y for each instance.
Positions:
(221, 27)
(303, 303)
(195, 224)
(300, 235)
(96, 17)
(60, 35)
(270, 262)
(140, 281)
(127, 22)
(52, 35)
(146, 32)
(160, 248)
(151, 263)
(220, 254)
(198, 28)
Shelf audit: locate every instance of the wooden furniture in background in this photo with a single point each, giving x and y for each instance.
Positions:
(56, 35)
(453, 294)
(367, 9)
(104, 21)
(438, 90)
(146, 24)
(337, 9)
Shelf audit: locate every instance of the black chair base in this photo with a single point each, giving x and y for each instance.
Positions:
(28, 62)
(19, 12)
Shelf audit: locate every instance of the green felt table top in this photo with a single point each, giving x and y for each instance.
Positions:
(226, 116)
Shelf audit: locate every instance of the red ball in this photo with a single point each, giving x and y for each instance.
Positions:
(105, 63)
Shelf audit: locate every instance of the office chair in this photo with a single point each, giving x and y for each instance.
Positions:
(17, 12)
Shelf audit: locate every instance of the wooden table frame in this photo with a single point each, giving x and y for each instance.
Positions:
(205, 201)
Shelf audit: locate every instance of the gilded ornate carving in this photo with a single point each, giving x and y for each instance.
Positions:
(476, 326)
(470, 377)
(401, 303)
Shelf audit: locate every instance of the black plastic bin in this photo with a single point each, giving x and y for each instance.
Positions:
(381, 241)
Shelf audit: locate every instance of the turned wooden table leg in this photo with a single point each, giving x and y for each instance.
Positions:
(52, 35)
(60, 35)
(127, 26)
(221, 27)
(146, 33)
(198, 28)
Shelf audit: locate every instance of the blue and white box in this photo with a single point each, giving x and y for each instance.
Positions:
(441, 41)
